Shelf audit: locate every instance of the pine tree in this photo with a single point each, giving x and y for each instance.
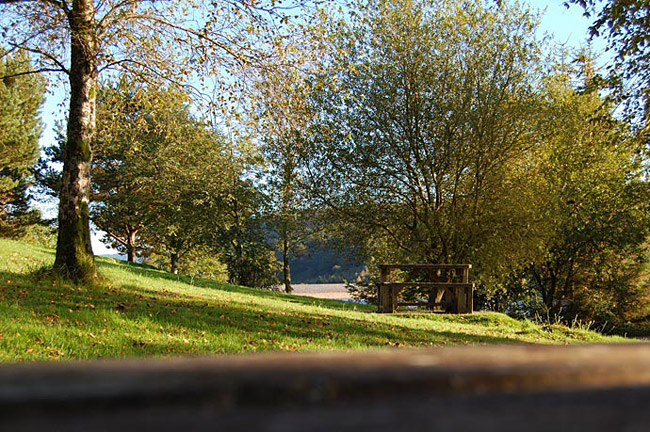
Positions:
(21, 96)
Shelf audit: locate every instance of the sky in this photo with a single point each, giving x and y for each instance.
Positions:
(567, 26)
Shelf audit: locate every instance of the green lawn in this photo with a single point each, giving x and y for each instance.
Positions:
(138, 311)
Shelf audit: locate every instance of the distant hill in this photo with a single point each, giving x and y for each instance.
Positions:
(317, 264)
(320, 264)
(114, 256)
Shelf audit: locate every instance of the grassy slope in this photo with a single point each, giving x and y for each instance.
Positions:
(136, 311)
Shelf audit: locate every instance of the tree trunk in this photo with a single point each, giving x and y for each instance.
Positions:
(130, 246)
(239, 250)
(74, 256)
(286, 268)
(287, 195)
(174, 263)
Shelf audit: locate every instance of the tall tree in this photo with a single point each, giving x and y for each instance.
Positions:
(21, 97)
(595, 205)
(124, 182)
(282, 115)
(426, 119)
(283, 120)
(191, 178)
(154, 40)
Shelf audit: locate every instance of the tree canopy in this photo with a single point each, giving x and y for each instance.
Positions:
(159, 171)
(425, 119)
(85, 38)
(412, 131)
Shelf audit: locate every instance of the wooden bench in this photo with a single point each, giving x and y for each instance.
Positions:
(450, 281)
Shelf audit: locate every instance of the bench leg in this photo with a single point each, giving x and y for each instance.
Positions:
(461, 300)
(451, 301)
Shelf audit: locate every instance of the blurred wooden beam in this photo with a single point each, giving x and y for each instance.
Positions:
(520, 387)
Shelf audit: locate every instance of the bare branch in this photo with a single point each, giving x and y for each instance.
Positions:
(61, 66)
(242, 60)
(33, 72)
(149, 69)
(106, 20)
(62, 4)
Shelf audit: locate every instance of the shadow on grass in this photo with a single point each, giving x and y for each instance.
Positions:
(151, 272)
(242, 325)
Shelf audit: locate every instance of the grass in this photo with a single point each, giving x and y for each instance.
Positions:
(135, 311)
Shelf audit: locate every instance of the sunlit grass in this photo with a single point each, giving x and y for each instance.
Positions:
(137, 311)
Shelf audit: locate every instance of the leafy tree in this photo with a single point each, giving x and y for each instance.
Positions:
(281, 119)
(595, 202)
(159, 172)
(244, 243)
(191, 180)
(124, 178)
(282, 122)
(152, 40)
(21, 96)
(427, 117)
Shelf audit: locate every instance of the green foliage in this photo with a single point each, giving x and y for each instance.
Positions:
(82, 39)
(47, 172)
(161, 175)
(243, 244)
(426, 115)
(170, 187)
(282, 114)
(595, 204)
(21, 96)
(40, 235)
(123, 177)
(201, 261)
(441, 138)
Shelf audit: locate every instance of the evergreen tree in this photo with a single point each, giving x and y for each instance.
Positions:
(21, 96)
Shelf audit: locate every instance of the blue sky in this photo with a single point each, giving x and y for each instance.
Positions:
(567, 26)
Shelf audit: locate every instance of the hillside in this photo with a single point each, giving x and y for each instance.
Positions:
(139, 311)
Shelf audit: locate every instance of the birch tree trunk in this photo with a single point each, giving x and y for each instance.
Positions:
(174, 263)
(130, 246)
(74, 256)
(286, 268)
